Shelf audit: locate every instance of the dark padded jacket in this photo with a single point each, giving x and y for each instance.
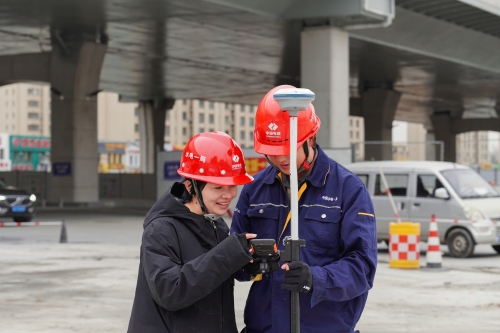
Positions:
(185, 281)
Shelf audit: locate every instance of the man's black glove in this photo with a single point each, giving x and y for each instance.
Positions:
(253, 268)
(298, 277)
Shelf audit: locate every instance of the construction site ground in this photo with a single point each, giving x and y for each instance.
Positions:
(88, 284)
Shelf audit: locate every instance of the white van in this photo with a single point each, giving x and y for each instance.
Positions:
(466, 207)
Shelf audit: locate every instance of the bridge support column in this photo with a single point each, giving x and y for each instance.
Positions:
(379, 106)
(443, 131)
(75, 67)
(152, 116)
(325, 70)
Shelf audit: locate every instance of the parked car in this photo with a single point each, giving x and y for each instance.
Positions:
(16, 203)
(466, 206)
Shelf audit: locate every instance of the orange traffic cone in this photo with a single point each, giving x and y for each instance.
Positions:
(434, 258)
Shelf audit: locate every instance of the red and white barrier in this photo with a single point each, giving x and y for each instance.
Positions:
(63, 238)
(29, 224)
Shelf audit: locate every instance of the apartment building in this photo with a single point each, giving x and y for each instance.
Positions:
(357, 137)
(190, 117)
(472, 148)
(25, 109)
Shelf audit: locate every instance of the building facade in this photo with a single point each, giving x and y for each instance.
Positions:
(357, 137)
(190, 117)
(25, 109)
(473, 148)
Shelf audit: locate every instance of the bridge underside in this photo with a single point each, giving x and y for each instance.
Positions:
(439, 72)
(205, 49)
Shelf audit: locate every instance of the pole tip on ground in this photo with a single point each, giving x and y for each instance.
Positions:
(64, 236)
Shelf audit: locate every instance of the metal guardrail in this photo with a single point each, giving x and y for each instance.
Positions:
(63, 237)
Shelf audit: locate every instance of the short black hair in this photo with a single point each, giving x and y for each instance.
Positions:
(187, 196)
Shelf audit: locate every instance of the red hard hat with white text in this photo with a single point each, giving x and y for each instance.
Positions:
(272, 126)
(214, 158)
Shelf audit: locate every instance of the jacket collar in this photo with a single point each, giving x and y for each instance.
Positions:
(317, 177)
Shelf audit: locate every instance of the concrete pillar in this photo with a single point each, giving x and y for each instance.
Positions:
(443, 131)
(152, 116)
(75, 68)
(325, 70)
(379, 106)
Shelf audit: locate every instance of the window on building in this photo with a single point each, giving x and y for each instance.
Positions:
(211, 129)
(242, 108)
(357, 135)
(357, 122)
(350, 134)
(1, 154)
(33, 104)
(242, 121)
(184, 131)
(201, 130)
(33, 128)
(211, 105)
(251, 121)
(211, 119)
(242, 135)
(226, 120)
(201, 104)
(33, 115)
(201, 118)
(184, 102)
(33, 91)
(250, 135)
(350, 122)
(226, 106)
(184, 116)
(136, 128)
(167, 130)
(227, 132)
(167, 116)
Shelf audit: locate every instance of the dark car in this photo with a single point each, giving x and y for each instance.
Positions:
(16, 203)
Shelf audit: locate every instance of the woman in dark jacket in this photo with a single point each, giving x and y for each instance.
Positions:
(185, 281)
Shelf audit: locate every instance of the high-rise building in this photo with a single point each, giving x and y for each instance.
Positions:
(472, 148)
(25, 109)
(190, 117)
(357, 137)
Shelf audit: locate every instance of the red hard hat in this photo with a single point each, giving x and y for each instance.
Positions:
(272, 126)
(214, 158)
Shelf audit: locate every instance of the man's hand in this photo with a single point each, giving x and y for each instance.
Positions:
(298, 277)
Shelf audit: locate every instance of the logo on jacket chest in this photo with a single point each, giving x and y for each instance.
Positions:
(325, 198)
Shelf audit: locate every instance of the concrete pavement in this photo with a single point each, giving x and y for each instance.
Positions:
(88, 284)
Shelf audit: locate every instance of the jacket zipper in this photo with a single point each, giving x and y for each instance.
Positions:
(215, 230)
(222, 287)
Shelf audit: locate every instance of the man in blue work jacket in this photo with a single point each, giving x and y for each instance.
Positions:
(336, 219)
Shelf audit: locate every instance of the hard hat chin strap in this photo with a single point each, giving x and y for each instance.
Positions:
(209, 217)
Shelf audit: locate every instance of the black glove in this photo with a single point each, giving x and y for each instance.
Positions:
(253, 268)
(298, 277)
(245, 244)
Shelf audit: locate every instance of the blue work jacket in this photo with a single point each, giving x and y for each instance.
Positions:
(336, 219)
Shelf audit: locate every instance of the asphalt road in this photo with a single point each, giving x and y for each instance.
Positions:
(88, 284)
